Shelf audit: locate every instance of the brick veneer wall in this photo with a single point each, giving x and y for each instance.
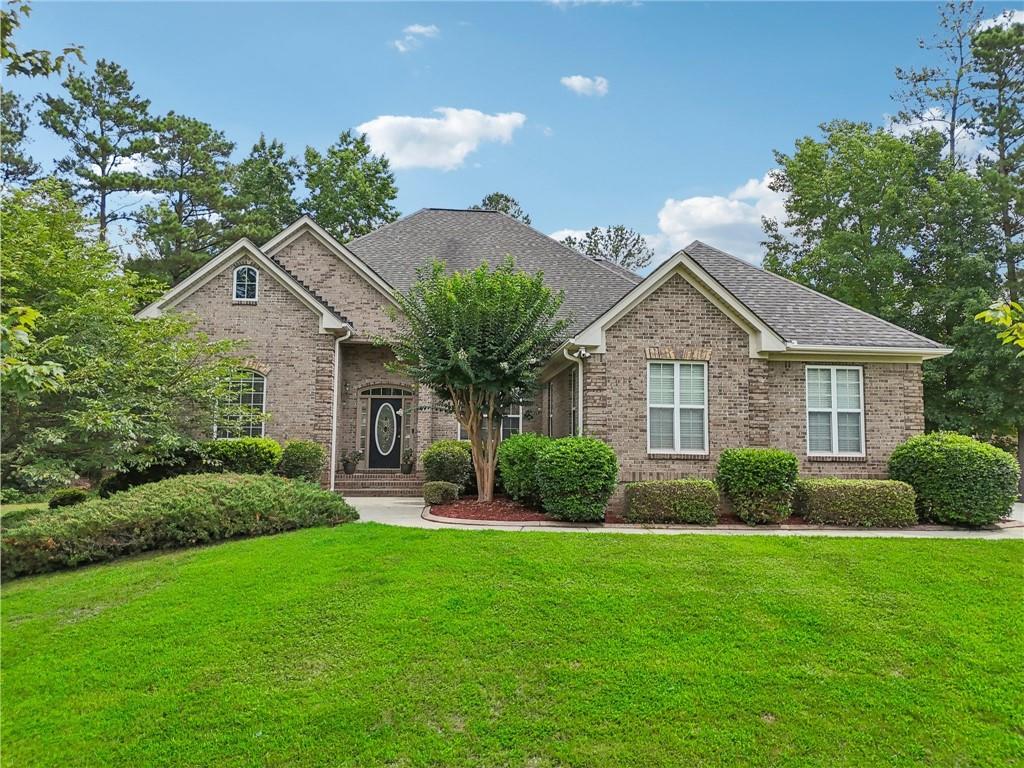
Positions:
(893, 411)
(283, 343)
(338, 283)
(750, 401)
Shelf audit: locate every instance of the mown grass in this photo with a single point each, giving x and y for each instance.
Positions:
(368, 645)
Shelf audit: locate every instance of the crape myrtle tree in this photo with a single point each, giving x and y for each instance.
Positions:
(478, 340)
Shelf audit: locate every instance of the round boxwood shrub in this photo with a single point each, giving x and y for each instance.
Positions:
(690, 501)
(67, 497)
(958, 480)
(178, 512)
(245, 455)
(449, 461)
(440, 492)
(759, 482)
(576, 476)
(517, 462)
(302, 459)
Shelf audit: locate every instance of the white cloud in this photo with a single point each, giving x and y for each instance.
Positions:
(438, 142)
(414, 35)
(731, 222)
(561, 234)
(586, 86)
(1004, 19)
(969, 146)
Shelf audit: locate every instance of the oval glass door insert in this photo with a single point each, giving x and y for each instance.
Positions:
(384, 431)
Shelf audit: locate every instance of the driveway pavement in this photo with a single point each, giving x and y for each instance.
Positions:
(408, 512)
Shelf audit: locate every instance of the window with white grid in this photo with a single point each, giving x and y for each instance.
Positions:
(248, 389)
(246, 284)
(835, 410)
(677, 407)
(511, 423)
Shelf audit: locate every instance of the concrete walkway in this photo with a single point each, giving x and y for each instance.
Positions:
(409, 513)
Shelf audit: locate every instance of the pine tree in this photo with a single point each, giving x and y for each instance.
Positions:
(263, 191)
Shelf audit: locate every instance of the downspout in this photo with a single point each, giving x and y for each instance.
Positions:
(334, 402)
(577, 357)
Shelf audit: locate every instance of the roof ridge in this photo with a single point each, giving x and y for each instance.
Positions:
(806, 288)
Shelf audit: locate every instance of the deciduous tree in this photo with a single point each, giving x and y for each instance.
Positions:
(31, 63)
(351, 190)
(499, 201)
(617, 244)
(263, 192)
(478, 340)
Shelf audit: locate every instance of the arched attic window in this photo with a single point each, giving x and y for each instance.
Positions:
(246, 284)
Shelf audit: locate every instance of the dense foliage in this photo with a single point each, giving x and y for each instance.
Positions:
(690, 501)
(866, 503)
(302, 459)
(518, 456)
(67, 497)
(440, 492)
(247, 455)
(759, 482)
(182, 511)
(448, 461)
(958, 480)
(618, 244)
(478, 340)
(576, 477)
(503, 203)
(131, 391)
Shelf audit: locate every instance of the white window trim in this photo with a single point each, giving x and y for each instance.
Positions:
(459, 430)
(676, 407)
(234, 284)
(835, 410)
(263, 410)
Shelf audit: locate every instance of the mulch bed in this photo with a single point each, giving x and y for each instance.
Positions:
(500, 508)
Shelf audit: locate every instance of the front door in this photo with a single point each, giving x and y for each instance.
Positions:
(385, 449)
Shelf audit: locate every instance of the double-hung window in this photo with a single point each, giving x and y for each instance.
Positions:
(835, 410)
(677, 407)
(242, 411)
(511, 423)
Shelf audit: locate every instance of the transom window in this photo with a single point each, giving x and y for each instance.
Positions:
(248, 390)
(246, 283)
(835, 410)
(677, 407)
(511, 424)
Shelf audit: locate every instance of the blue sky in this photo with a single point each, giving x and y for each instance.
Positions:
(674, 142)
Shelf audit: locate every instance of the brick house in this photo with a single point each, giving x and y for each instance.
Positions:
(705, 353)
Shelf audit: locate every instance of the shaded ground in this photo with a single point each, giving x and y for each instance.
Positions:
(377, 645)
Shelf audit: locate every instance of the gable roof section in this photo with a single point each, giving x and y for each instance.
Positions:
(464, 239)
(799, 314)
(783, 318)
(330, 318)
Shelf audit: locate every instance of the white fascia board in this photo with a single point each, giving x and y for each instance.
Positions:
(329, 322)
(855, 354)
(306, 224)
(762, 337)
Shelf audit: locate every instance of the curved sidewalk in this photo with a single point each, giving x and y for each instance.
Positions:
(410, 513)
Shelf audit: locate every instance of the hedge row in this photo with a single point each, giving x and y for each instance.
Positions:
(866, 503)
(689, 501)
(178, 512)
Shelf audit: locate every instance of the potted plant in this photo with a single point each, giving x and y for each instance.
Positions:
(349, 461)
(408, 461)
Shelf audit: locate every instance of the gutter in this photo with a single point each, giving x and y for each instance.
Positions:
(334, 402)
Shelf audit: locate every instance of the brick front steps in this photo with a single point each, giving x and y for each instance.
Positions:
(379, 483)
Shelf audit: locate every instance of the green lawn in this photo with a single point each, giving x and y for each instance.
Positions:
(366, 645)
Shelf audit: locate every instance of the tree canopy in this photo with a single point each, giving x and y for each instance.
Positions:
(478, 340)
(502, 203)
(618, 244)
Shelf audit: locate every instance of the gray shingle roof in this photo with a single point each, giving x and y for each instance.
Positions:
(463, 239)
(797, 313)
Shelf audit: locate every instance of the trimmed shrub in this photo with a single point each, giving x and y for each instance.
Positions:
(302, 459)
(758, 482)
(576, 476)
(67, 497)
(440, 492)
(517, 461)
(13, 517)
(184, 461)
(958, 480)
(690, 501)
(449, 461)
(179, 512)
(245, 455)
(866, 503)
